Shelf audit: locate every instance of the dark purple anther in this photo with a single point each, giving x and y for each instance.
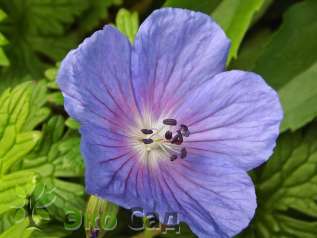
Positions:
(184, 130)
(147, 131)
(170, 122)
(183, 153)
(178, 139)
(147, 141)
(173, 157)
(168, 135)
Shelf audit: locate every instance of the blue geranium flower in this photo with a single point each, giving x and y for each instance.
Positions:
(164, 128)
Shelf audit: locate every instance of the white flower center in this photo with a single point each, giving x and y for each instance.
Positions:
(162, 139)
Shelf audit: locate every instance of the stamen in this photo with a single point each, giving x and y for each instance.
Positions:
(147, 131)
(147, 141)
(170, 122)
(173, 157)
(168, 135)
(178, 139)
(183, 153)
(184, 130)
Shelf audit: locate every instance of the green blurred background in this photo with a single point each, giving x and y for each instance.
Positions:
(41, 169)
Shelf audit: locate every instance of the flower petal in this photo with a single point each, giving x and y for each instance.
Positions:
(96, 82)
(215, 198)
(234, 116)
(174, 50)
(116, 174)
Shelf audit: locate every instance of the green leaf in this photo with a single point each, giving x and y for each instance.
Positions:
(128, 23)
(72, 124)
(290, 51)
(59, 198)
(300, 109)
(251, 50)
(14, 147)
(46, 29)
(235, 17)
(38, 26)
(4, 61)
(57, 156)
(23, 106)
(56, 98)
(19, 230)
(57, 149)
(50, 231)
(14, 190)
(287, 189)
(26, 154)
(95, 12)
(288, 64)
(21, 109)
(206, 6)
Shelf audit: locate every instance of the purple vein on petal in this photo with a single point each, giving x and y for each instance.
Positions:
(115, 158)
(114, 175)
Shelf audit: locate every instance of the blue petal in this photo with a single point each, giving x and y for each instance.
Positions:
(95, 80)
(234, 116)
(174, 50)
(215, 198)
(115, 173)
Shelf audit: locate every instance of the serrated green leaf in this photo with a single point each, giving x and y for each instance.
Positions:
(206, 6)
(69, 163)
(72, 124)
(96, 12)
(128, 23)
(19, 230)
(12, 153)
(56, 98)
(21, 109)
(50, 231)
(57, 155)
(58, 197)
(4, 61)
(60, 151)
(38, 26)
(287, 189)
(51, 74)
(235, 17)
(24, 106)
(14, 190)
(3, 15)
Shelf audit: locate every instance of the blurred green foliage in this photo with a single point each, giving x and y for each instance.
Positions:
(41, 169)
